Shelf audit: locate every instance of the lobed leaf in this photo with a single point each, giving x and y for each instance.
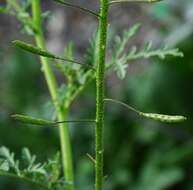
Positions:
(45, 175)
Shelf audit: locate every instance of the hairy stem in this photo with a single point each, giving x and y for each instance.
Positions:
(53, 89)
(100, 94)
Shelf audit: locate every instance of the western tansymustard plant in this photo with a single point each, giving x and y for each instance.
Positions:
(78, 75)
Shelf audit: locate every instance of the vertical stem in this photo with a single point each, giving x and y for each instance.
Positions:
(53, 89)
(100, 94)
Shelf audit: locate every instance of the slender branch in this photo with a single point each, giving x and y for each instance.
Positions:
(77, 121)
(133, 1)
(123, 104)
(53, 88)
(91, 158)
(76, 62)
(78, 7)
(100, 94)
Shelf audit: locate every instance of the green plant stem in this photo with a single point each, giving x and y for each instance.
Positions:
(53, 89)
(100, 94)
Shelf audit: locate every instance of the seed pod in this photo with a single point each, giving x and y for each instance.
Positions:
(153, 1)
(42, 122)
(32, 120)
(164, 118)
(154, 116)
(32, 49)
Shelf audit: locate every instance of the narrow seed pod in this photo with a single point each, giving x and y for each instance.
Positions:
(32, 120)
(42, 122)
(38, 51)
(153, 1)
(154, 116)
(32, 49)
(164, 118)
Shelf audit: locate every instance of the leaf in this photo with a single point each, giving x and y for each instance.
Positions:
(121, 43)
(45, 175)
(120, 58)
(4, 165)
(120, 67)
(28, 158)
(148, 52)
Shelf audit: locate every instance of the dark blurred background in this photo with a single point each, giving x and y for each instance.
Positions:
(139, 154)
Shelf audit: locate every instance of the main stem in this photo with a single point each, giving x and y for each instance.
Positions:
(100, 94)
(53, 89)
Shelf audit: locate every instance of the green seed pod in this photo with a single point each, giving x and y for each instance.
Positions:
(32, 49)
(153, 1)
(38, 51)
(154, 116)
(42, 122)
(164, 118)
(32, 120)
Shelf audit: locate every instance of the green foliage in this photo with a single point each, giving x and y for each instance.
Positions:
(120, 59)
(20, 10)
(77, 77)
(46, 175)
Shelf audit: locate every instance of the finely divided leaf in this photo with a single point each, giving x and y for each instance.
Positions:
(45, 175)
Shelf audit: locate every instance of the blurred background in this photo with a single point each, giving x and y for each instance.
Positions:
(139, 154)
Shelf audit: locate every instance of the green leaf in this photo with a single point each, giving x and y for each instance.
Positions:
(120, 67)
(4, 165)
(148, 52)
(45, 175)
(63, 2)
(120, 58)
(127, 34)
(28, 158)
